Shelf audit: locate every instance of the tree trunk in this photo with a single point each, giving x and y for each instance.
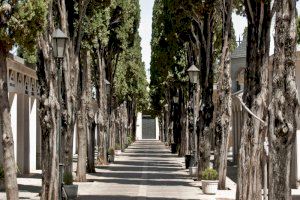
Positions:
(83, 115)
(223, 113)
(206, 109)
(183, 124)
(48, 111)
(91, 149)
(9, 164)
(255, 96)
(71, 72)
(284, 106)
(102, 110)
(82, 145)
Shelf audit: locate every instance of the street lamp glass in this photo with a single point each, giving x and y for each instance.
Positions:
(176, 99)
(59, 43)
(166, 106)
(193, 72)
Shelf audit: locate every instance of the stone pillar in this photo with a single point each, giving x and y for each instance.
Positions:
(33, 134)
(157, 128)
(26, 137)
(139, 126)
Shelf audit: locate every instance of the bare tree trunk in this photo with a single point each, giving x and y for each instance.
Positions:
(206, 108)
(9, 164)
(102, 109)
(91, 148)
(71, 72)
(255, 97)
(112, 127)
(49, 109)
(183, 124)
(223, 115)
(82, 146)
(284, 106)
(82, 117)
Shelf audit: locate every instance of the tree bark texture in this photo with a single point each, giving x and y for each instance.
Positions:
(206, 108)
(183, 124)
(49, 109)
(91, 148)
(83, 119)
(249, 182)
(223, 110)
(284, 104)
(71, 71)
(102, 118)
(9, 165)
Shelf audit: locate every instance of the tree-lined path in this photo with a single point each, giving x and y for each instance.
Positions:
(146, 170)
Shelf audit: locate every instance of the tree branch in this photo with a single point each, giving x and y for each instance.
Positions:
(250, 11)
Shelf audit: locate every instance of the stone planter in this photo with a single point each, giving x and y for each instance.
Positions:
(71, 191)
(209, 186)
(193, 171)
(187, 161)
(118, 152)
(111, 158)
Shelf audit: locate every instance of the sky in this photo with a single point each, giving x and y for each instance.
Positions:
(146, 32)
(239, 24)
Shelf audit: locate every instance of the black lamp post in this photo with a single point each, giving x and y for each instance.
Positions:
(193, 72)
(59, 45)
(166, 106)
(108, 110)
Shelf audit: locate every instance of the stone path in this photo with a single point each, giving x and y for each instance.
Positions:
(146, 170)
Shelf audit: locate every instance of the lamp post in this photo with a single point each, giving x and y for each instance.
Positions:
(59, 45)
(107, 90)
(175, 120)
(193, 73)
(166, 106)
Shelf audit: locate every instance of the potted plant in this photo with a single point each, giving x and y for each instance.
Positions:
(111, 155)
(1, 178)
(210, 181)
(70, 189)
(188, 158)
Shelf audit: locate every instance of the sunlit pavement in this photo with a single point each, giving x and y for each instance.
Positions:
(146, 170)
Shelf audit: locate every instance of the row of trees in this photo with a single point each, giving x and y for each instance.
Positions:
(103, 46)
(200, 33)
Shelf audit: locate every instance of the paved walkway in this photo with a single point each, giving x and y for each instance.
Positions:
(146, 170)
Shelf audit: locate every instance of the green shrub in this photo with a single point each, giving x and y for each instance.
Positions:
(111, 151)
(129, 140)
(68, 178)
(210, 174)
(1, 173)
